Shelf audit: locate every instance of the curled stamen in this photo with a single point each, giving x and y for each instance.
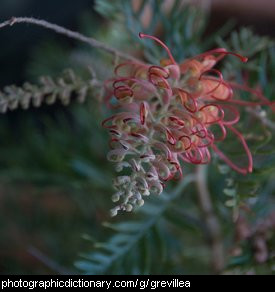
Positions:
(185, 139)
(249, 156)
(198, 127)
(209, 141)
(185, 98)
(177, 121)
(234, 111)
(158, 80)
(223, 136)
(224, 91)
(214, 115)
(163, 147)
(103, 124)
(123, 91)
(114, 132)
(206, 157)
(194, 155)
(228, 94)
(142, 113)
(142, 35)
(160, 71)
(229, 162)
(220, 79)
(139, 136)
(170, 138)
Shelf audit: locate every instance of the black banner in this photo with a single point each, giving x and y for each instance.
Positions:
(134, 282)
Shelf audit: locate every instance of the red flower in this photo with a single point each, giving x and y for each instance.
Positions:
(168, 113)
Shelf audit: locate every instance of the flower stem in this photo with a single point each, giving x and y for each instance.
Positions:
(211, 221)
(71, 34)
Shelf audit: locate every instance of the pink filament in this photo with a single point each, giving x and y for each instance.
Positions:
(233, 110)
(220, 80)
(142, 35)
(142, 113)
(229, 162)
(222, 51)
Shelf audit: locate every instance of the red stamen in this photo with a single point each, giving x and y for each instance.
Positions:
(218, 118)
(209, 138)
(114, 132)
(189, 140)
(222, 51)
(220, 80)
(170, 138)
(122, 91)
(221, 125)
(226, 84)
(159, 81)
(233, 110)
(103, 124)
(157, 70)
(177, 121)
(207, 157)
(232, 164)
(127, 120)
(242, 58)
(194, 155)
(264, 101)
(185, 97)
(142, 35)
(142, 113)
(249, 156)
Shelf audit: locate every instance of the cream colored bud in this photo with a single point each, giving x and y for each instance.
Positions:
(113, 212)
(115, 197)
(128, 207)
(140, 202)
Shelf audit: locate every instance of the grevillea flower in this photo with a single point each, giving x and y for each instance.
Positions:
(169, 115)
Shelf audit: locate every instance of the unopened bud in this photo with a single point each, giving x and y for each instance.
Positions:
(128, 207)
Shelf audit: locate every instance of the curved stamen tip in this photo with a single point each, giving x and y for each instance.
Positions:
(244, 59)
(143, 35)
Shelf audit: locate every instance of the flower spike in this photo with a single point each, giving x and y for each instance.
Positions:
(170, 115)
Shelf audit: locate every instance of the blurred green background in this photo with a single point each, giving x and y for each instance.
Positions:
(55, 181)
(48, 199)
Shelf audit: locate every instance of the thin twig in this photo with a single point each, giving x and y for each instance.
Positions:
(48, 262)
(210, 219)
(69, 33)
(261, 117)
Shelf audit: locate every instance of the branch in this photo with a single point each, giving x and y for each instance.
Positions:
(261, 116)
(211, 221)
(69, 33)
(36, 253)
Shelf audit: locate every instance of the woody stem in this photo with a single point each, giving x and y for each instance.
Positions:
(211, 221)
(71, 34)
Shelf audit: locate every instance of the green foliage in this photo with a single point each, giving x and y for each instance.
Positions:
(246, 43)
(49, 90)
(139, 243)
(182, 26)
